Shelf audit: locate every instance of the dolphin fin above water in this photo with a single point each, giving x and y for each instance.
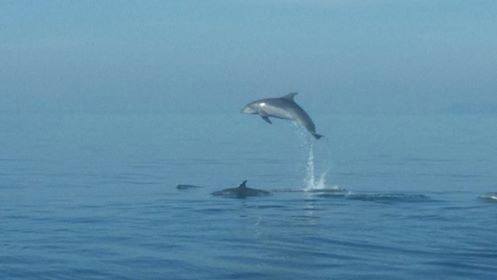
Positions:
(241, 191)
(290, 96)
(243, 184)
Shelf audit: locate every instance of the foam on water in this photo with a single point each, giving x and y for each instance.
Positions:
(491, 197)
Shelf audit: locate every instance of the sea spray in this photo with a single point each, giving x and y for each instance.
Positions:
(310, 182)
(309, 176)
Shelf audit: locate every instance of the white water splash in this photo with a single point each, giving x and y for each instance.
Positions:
(311, 183)
(489, 197)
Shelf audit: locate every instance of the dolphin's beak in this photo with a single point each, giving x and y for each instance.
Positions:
(247, 110)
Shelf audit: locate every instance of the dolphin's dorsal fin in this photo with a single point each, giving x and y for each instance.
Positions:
(290, 96)
(243, 184)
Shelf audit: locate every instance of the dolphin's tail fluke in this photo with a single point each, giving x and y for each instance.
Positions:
(317, 136)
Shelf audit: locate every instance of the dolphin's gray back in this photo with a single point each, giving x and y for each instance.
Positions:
(287, 109)
(241, 192)
(277, 108)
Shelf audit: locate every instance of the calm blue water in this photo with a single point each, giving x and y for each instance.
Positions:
(94, 197)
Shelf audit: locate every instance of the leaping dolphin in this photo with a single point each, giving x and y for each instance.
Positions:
(241, 192)
(282, 108)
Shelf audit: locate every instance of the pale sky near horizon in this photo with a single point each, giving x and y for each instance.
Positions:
(342, 56)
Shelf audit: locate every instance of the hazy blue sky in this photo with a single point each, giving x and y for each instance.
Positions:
(153, 56)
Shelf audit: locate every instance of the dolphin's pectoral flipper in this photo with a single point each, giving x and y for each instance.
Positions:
(266, 118)
(290, 96)
(243, 184)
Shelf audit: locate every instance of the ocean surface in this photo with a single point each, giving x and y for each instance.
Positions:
(93, 196)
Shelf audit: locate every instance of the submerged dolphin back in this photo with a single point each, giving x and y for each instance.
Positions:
(241, 192)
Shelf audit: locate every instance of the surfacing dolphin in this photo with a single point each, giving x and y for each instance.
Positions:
(241, 192)
(282, 108)
(187, 187)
